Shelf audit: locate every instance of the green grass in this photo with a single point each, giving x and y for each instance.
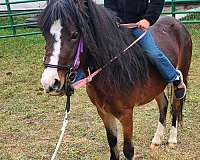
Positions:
(30, 120)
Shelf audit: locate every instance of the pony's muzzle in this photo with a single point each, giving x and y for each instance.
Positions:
(55, 86)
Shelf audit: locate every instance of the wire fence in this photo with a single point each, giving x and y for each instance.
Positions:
(19, 18)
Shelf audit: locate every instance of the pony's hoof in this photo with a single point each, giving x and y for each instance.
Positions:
(137, 156)
(154, 146)
(172, 145)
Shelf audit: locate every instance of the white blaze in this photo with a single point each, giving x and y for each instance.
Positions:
(50, 74)
(56, 32)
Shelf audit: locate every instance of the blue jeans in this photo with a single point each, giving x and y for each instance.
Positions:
(156, 56)
(80, 75)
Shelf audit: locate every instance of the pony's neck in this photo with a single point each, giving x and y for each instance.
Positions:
(105, 40)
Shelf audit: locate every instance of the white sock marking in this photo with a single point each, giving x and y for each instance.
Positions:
(157, 139)
(173, 135)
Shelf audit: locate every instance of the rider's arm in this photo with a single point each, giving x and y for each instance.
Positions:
(154, 10)
(111, 4)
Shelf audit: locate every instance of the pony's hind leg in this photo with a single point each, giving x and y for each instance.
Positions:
(162, 104)
(176, 117)
(177, 108)
(110, 123)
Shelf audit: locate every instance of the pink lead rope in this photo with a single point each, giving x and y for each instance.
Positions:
(88, 79)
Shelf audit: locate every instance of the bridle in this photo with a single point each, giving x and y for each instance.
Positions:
(88, 79)
(70, 72)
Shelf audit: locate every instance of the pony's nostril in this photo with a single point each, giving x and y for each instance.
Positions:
(54, 87)
(56, 84)
(50, 89)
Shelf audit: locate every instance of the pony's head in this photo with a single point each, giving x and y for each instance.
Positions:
(60, 28)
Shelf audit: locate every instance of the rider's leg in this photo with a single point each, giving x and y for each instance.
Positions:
(157, 57)
(80, 75)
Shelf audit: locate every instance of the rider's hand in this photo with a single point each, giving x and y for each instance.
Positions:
(143, 24)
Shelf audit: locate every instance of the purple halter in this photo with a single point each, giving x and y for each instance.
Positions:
(68, 87)
(78, 53)
(76, 62)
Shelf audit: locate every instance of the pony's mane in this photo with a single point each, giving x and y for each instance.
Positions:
(103, 40)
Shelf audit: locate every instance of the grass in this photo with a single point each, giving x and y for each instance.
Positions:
(30, 120)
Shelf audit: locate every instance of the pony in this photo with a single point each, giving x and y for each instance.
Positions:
(129, 81)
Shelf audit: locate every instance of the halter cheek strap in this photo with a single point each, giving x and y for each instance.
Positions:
(68, 81)
(78, 53)
(75, 64)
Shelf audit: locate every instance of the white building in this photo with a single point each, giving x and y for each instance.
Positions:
(30, 5)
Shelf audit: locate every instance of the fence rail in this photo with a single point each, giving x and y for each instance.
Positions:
(8, 18)
(10, 27)
(180, 14)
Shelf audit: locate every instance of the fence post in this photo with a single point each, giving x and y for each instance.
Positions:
(12, 23)
(174, 8)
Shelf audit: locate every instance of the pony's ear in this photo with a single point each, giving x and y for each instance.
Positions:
(79, 2)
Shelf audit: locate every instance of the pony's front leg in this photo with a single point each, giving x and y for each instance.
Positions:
(110, 124)
(126, 120)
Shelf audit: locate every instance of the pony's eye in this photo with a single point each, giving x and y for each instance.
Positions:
(74, 35)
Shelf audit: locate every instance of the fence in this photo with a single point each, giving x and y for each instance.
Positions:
(14, 18)
(181, 14)
(12, 26)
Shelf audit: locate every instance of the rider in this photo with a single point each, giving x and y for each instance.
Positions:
(145, 13)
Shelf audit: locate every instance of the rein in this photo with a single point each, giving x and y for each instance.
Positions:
(71, 69)
(88, 79)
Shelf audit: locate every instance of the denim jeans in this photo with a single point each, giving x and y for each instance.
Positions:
(156, 56)
(80, 75)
